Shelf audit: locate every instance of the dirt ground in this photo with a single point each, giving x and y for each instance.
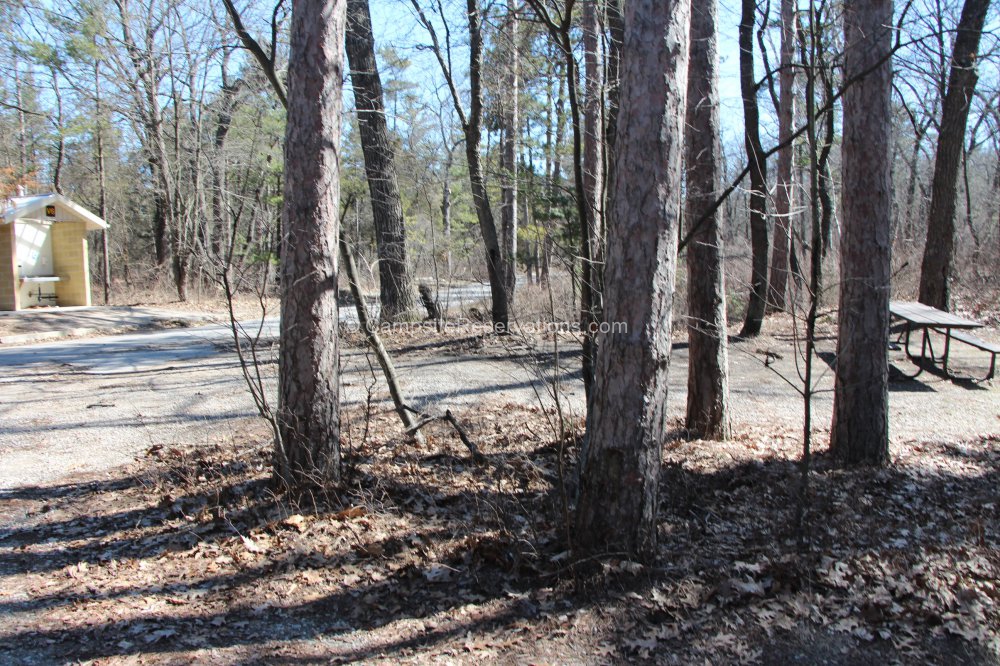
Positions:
(165, 542)
(37, 324)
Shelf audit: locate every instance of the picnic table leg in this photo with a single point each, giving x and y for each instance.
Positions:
(909, 355)
(947, 348)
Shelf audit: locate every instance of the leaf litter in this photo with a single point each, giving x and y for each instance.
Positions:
(424, 556)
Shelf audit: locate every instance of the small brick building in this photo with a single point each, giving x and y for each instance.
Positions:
(43, 252)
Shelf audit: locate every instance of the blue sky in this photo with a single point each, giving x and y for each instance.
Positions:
(394, 25)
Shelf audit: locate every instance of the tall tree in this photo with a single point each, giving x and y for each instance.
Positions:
(308, 450)
(559, 22)
(936, 269)
(472, 128)
(708, 371)
(143, 63)
(860, 432)
(784, 188)
(102, 181)
(395, 280)
(593, 131)
(220, 233)
(511, 123)
(593, 179)
(757, 161)
(627, 410)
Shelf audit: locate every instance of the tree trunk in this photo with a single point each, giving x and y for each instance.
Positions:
(784, 187)
(511, 127)
(472, 126)
(161, 244)
(860, 432)
(823, 174)
(911, 187)
(627, 411)
(591, 268)
(222, 233)
(553, 158)
(936, 269)
(593, 130)
(375, 341)
(395, 280)
(308, 452)
(22, 128)
(708, 372)
(446, 209)
(145, 66)
(60, 139)
(967, 191)
(180, 270)
(592, 172)
(102, 185)
(758, 176)
(616, 30)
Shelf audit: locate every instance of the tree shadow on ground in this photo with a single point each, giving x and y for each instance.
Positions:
(902, 378)
(429, 553)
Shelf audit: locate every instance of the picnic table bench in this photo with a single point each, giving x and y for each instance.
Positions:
(917, 316)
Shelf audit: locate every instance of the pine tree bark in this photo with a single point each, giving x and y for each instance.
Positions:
(627, 410)
(395, 279)
(784, 187)
(860, 432)
(708, 365)
(308, 372)
(937, 266)
(759, 243)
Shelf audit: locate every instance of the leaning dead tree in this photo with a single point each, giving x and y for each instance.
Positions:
(373, 338)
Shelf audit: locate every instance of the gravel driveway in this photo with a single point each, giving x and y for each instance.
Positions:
(89, 406)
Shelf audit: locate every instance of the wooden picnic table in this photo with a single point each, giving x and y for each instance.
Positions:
(926, 318)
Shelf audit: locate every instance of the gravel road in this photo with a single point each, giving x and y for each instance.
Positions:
(89, 406)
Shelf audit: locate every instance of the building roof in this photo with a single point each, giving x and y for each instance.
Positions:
(21, 208)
